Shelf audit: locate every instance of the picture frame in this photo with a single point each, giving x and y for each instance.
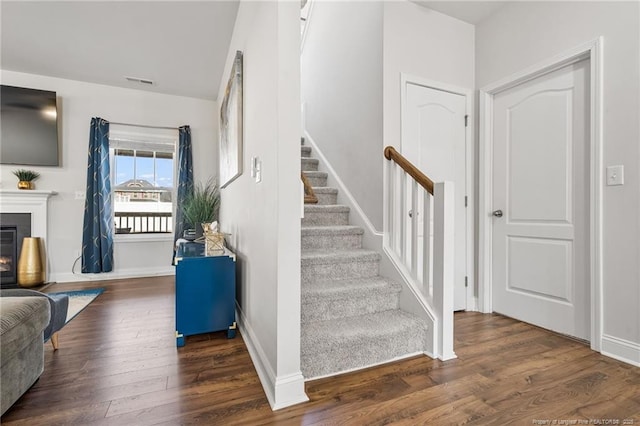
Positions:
(231, 114)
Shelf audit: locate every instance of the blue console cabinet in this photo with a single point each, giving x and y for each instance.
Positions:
(205, 292)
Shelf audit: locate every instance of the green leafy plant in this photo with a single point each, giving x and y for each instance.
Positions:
(26, 175)
(202, 204)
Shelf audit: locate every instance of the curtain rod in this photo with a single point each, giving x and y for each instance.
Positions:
(145, 126)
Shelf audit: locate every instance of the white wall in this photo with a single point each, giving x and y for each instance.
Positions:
(341, 89)
(522, 34)
(264, 218)
(77, 103)
(422, 43)
(427, 44)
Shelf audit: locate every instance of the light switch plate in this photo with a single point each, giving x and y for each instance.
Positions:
(254, 161)
(256, 169)
(615, 175)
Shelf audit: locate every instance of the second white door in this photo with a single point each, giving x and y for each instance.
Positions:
(434, 139)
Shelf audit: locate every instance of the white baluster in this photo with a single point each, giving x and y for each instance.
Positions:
(427, 267)
(414, 229)
(403, 218)
(397, 217)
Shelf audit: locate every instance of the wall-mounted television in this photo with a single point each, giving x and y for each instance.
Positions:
(28, 127)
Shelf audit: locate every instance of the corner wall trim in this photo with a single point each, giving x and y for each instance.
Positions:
(289, 391)
(281, 391)
(620, 349)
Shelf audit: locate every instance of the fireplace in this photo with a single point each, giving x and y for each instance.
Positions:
(27, 212)
(13, 228)
(8, 255)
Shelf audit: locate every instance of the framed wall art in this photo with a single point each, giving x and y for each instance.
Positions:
(231, 126)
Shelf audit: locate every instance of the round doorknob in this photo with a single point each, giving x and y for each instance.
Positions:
(497, 213)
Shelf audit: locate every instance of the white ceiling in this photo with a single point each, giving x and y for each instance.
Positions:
(469, 11)
(180, 45)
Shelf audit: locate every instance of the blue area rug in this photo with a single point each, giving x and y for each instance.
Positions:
(78, 300)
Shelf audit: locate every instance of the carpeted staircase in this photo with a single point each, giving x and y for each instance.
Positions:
(350, 314)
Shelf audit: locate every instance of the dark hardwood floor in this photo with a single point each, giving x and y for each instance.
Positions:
(118, 364)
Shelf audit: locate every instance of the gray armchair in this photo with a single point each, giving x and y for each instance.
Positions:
(59, 305)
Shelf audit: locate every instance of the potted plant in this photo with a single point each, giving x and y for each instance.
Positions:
(202, 205)
(26, 178)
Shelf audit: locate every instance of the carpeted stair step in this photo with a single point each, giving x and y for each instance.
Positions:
(305, 151)
(328, 300)
(338, 345)
(316, 178)
(326, 194)
(325, 215)
(324, 265)
(309, 164)
(331, 237)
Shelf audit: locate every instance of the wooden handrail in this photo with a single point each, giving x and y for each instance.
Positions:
(391, 154)
(309, 196)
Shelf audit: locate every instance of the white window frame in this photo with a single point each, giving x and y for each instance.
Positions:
(156, 140)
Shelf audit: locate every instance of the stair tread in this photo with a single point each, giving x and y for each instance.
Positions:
(314, 256)
(309, 160)
(314, 173)
(327, 208)
(369, 327)
(331, 230)
(324, 190)
(336, 289)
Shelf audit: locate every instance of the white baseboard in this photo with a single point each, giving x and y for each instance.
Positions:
(66, 277)
(620, 349)
(282, 391)
(289, 391)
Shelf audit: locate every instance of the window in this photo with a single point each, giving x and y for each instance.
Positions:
(142, 183)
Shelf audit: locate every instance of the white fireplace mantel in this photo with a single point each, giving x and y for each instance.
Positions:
(31, 201)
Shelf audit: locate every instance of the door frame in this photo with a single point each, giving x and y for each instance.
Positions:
(591, 50)
(471, 299)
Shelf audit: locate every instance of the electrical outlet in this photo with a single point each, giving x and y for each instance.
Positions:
(79, 195)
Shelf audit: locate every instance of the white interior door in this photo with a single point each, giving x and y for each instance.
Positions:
(540, 255)
(434, 140)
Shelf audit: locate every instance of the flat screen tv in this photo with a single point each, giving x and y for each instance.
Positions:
(28, 127)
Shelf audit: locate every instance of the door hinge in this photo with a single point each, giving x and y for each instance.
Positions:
(466, 281)
(466, 120)
(466, 201)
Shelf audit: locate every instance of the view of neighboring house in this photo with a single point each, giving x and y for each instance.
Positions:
(135, 190)
(142, 207)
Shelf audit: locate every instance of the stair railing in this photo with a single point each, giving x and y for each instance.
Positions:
(418, 237)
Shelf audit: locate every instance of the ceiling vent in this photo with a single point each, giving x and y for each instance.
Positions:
(140, 80)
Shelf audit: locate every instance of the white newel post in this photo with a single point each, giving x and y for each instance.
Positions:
(36, 203)
(443, 266)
